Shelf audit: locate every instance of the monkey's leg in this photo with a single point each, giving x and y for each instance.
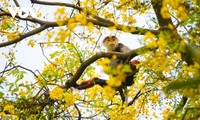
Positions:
(130, 76)
(90, 83)
(121, 94)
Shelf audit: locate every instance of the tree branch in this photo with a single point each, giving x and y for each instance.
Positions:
(136, 96)
(72, 6)
(124, 56)
(16, 3)
(96, 20)
(164, 22)
(47, 24)
(79, 112)
(178, 110)
(33, 32)
(19, 66)
(31, 19)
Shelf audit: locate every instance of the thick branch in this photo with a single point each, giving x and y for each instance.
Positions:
(56, 4)
(31, 19)
(47, 24)
(97, 20)
(33, 32)
(84, 65)
(16, 3)
(72, 6)
(163, 22)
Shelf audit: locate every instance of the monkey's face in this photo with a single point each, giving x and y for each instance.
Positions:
(110, 42)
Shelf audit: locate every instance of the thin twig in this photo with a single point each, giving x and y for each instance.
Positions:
(79, 112)
(16, 3)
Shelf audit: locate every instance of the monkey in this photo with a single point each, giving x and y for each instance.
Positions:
(112, 45)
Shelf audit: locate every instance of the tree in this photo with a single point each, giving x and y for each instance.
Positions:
(168, 77)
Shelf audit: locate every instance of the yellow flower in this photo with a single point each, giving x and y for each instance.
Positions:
(69, 99)
(31, 43)
(9, 108)
(22, 93)
(49, 35)
(61, 35)
(71, 25)
(150, 40)
(141, 85)
(108, 92)
(152, 44)
(165, 12)
(170, 26)
(195, 2)
(106, 61)
(61, 16)
(81, 18)
(181, 13)
(56, 93)
(61, 10)
(161, 43)
(115, 81)
(39, 14)
(131, 20)
(12, 35)
(154, 98)
(112, 28)
(90, 26)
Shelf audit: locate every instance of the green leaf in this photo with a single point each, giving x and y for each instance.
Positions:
(11, 86)
(16, 89)
(27, 87)
(1, 94)
(19, 77)
(184, 84)
(126, 69)
(15, 72)
(54, 54)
